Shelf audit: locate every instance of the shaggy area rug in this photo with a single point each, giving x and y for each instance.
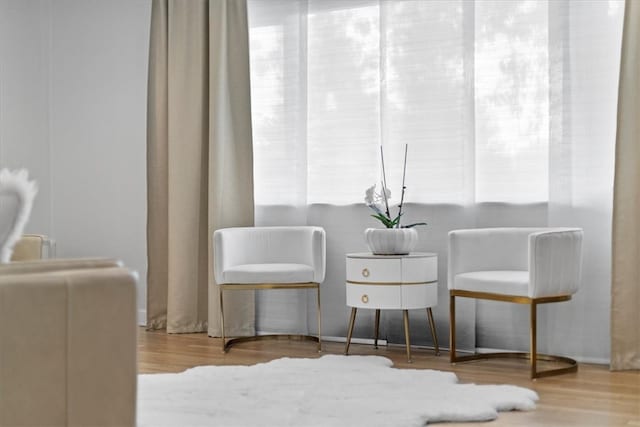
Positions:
(329, 391)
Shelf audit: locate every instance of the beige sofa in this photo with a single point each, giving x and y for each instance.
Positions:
(67, 343)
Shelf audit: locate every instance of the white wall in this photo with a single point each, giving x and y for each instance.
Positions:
(73, 80)
(24, 98)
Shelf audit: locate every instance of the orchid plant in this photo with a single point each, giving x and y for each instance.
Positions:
(378, 200)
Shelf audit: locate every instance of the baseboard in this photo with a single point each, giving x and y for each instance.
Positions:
(142, 317)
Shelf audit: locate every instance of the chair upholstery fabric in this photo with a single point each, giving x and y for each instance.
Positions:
(269, 255)
(505, 282)
(68, 348)
(532, 262)
(269, 273)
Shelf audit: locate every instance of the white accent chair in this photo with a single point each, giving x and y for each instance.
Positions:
(16, 198)
(255, 258)
(519, 265)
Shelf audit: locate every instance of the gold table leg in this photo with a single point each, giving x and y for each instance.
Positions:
(377, 329)
(352, 320)
(432, 326)
(405, 314)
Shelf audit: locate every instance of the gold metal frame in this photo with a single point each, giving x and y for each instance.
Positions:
(354, 282)
(405, 319)
(227, 343)
(533, 356)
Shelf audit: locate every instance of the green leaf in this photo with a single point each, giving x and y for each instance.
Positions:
(384, 220)
(414, 224)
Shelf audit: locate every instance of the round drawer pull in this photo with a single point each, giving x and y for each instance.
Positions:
(365, 298)
(365, 272)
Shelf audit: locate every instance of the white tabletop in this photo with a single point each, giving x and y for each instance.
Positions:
(369, 255)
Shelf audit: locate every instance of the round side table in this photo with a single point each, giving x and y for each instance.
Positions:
(401, 282)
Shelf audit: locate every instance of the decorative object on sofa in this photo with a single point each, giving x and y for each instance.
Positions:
(395, 239)
(401, 282)
(254, 258)
(31, 247)
(519, 265)
(16, 199)
(68, 350)
(331, 391)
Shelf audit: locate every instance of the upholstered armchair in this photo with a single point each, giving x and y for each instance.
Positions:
(520, 265)
(255, 258)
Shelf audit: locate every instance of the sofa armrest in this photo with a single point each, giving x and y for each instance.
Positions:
(58, 264)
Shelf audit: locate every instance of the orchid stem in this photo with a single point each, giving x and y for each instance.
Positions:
(384, 184)
(404, 174)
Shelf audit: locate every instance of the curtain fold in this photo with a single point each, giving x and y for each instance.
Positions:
(625, 292)
(199, 159)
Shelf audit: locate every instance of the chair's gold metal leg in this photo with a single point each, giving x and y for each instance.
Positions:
(452, 328)
(533, 350)
(405, 315)
(319, 323)
(376, 329)
(224, 344)
(432, 326)
(352, 320)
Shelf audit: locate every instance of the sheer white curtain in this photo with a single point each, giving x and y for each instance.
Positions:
(508, 109)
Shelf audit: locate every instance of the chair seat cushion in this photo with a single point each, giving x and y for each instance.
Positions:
(268, 273)
(506, 282)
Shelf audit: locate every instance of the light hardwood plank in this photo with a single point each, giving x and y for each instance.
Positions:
(593, 396)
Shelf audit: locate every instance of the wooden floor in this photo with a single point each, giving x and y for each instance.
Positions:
(593, 396)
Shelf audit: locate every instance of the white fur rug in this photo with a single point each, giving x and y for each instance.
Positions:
(329, 391)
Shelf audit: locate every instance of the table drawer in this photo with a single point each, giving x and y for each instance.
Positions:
(424, 269)
(419, 296)
(374, 270)
(374, 296)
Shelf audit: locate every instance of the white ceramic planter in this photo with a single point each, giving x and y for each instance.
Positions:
(391, 241)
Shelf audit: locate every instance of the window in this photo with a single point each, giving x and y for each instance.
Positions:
(465, 84)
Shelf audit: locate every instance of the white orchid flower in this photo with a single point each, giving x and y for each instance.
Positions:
(370, 195)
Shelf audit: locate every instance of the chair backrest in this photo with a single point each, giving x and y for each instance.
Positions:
(264, 245)
(16, 199)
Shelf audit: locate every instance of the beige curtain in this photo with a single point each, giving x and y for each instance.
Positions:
(625, 310)
(199, 159)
